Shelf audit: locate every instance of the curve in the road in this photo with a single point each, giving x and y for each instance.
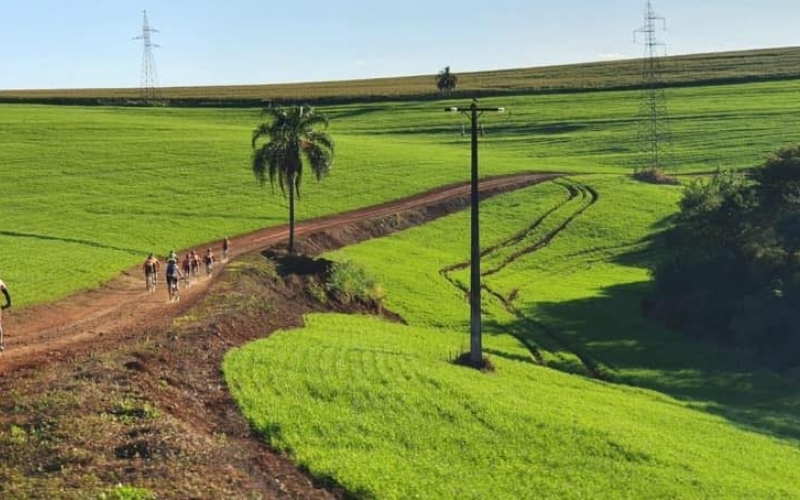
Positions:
(122, 305)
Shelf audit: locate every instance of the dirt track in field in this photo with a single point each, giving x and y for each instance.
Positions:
(89, 319)
(119, 343)
(587, 197)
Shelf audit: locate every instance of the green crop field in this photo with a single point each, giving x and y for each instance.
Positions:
(380, 409)
(90, 190)
(588, 399)
(695, 69)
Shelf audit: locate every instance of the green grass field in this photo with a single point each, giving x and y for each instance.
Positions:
(92, 190)
(380, 409)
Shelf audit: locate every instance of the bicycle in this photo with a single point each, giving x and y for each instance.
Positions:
(2, 347)
(150, 282)
(186, 280)
(174, 291)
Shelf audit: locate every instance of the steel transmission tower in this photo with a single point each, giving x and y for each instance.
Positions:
(653, 133)
(149, 79)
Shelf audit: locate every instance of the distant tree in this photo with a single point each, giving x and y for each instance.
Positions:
(446, 81)
(290, 140)
(731, 266)
(779, 181)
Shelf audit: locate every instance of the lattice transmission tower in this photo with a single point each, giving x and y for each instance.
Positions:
(653, 132)
(149, 79)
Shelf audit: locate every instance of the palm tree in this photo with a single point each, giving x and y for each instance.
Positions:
(446, 81)
(291, 141)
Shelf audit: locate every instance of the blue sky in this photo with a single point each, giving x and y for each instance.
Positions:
(89, 43)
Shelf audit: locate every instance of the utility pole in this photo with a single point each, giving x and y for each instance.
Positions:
(149, 81)
(476, 349)
(652, 133)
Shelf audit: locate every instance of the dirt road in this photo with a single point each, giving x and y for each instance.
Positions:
(85, 320)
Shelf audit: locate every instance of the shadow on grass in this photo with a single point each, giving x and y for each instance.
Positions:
(509, 356)
(15, 234)
(611, 330)
(489, 128)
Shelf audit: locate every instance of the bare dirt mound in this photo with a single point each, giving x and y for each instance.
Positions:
(117, 386)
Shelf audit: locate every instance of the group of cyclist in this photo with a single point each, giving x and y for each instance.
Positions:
(151, 267)
(186, 270)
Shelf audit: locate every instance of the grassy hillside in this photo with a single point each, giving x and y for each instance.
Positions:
(695, 69)
(587, 400)
(90, 190)
(379, 408)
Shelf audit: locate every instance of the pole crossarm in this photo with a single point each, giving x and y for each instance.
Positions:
(480, 110)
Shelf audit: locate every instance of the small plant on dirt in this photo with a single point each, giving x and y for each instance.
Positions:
(317, 290)
(349, 282)
(17, 435)
(253, 304)
(128, 409)
(123, 492)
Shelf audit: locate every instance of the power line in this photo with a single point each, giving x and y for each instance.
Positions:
(653, 133)
(149, 79)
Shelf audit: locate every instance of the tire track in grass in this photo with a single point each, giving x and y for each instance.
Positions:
(446, 272)
(553, 340)
(573, 192)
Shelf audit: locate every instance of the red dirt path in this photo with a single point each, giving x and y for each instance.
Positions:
(82, 320)
(58, 347)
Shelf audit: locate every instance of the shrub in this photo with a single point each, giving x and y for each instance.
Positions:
(317, 290)
(349, 282)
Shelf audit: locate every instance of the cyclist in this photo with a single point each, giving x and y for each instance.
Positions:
(187, 267)
(226, 249)
(150, 267)
(4, 289)
(173, 274)
(195, 264)
(208, 260)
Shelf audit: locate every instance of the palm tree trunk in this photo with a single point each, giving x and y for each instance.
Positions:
(291, 214)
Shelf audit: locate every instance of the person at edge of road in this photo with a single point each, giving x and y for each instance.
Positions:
(173, 273)
(208, 260)
(226, 249)
(4, 289)
(151, 266)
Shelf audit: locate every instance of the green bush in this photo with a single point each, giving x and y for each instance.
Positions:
(732, 273)
(349, 282)
(318, 291)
